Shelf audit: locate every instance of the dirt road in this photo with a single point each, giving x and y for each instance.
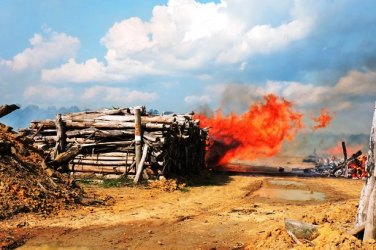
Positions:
(234, 212)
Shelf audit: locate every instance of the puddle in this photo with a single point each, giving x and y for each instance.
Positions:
(285, 183)
(290, 194)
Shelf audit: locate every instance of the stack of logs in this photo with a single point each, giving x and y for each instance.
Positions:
(112, 141)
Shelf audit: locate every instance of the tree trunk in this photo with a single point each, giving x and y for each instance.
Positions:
(367, 209)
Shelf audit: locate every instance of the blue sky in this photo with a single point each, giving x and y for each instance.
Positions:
(184, 54)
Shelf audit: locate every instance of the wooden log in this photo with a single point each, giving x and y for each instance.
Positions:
(102, 162)
(144, 119)
(112, 143)
(137, 135)
(370, 225)
(65, 157)
(150, 137)
(60, 136)
(356, 230)
(140, 166)
(105, 158)
(344, 150)
(105, 176)
(176, 142)
(97, 113)
(106, 149)
(107, 154)
(96, 133)
(99, 124)
(98, 169)
(364, 202)
(7, 109)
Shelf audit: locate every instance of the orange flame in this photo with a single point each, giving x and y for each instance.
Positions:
(257, 133)
(323, 120)
(337, 150)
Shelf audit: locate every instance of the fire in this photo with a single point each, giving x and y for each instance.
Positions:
(323, 119)
(337, 150)
(358, 167)
(259, 132)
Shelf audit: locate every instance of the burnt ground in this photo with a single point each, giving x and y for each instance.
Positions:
(229, 212)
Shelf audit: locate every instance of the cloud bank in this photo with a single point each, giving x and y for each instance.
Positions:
(187, 54)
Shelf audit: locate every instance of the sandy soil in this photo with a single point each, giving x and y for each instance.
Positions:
(231, 213)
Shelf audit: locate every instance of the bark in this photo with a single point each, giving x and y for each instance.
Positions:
(7, 109)
(140, 166)
(97, 169)
(102, 162)
(367, 209)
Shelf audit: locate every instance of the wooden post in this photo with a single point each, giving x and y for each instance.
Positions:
(141, 165)
(344, 150)
(60, 136)
(367, 207)
(137, 135)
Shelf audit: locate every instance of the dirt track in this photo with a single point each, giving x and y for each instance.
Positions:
(225, 215)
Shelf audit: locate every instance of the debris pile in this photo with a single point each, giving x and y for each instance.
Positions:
(352, 167)
(107, 142)
(26, 184)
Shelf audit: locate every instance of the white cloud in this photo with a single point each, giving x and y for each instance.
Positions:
(338, 97)
(265, 39)
(47, 48)
(301, 94)
(117, 96)
(186, 35)
(357, 83)
(72, 71)
(46, 95)
(195, 99)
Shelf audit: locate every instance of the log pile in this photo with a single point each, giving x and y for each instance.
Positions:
(108, 141)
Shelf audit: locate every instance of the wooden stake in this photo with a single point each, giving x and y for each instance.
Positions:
(60, 136)
(137, 135)
(141, 165)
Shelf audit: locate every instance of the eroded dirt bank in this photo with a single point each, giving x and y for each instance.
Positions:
(235, 212)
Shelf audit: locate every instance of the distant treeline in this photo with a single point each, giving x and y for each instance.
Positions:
(23, 116)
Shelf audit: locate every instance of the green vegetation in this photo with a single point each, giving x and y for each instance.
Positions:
(107, 183)
(120, 182)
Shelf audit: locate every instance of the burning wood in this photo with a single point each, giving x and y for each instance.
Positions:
(108, 141)
(353, 167)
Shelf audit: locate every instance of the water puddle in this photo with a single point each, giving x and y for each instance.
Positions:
(285, 183)
(290, 194)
